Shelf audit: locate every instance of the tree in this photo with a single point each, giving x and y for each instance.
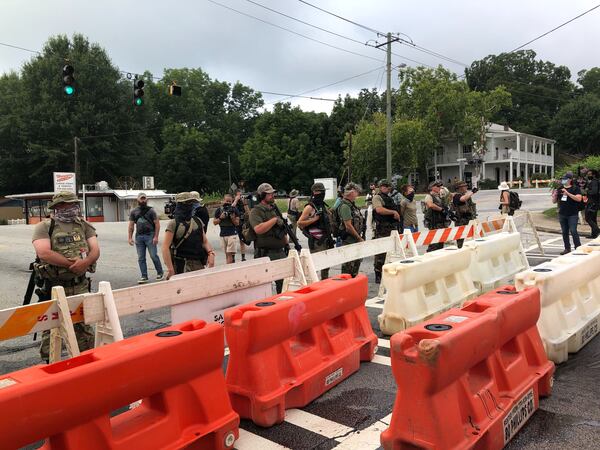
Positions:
(287, 149)
(590, 80)
(576, 127)
(538, 88)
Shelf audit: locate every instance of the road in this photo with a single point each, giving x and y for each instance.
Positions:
(353, 413)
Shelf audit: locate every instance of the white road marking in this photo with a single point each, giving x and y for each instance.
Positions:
(367, 439)
(549, 241)
(316, 424)
(385, 360)
(375, 305)
(385, 343)
(251, 441)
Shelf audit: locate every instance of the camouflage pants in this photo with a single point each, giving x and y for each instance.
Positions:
(379, 260)
(84, 333)
(351, 267)
(316, 247)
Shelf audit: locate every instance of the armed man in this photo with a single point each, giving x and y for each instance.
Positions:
(315, 223)
(386, 217)
(350, 223)
(67, 248)
(464, 206)
(436, 212)
(271, 237)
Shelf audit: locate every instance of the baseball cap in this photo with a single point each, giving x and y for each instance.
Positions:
(384, 182)
(141, 195)
(351, 187)
(265, 188)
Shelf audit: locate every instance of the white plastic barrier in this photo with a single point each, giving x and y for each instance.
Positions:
(570, 298)
(496, 259)
(421, 287)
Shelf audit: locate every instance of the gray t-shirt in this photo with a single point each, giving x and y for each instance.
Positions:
(144, 221)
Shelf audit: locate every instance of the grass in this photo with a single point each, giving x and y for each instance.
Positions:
(551, 213)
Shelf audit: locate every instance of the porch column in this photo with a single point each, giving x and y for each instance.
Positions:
(510, 172)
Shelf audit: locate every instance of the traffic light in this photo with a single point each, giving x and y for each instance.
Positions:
(68, 79)
(175, 90)
(138, 92)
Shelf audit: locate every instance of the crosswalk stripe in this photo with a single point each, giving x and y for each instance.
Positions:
(385, 360)
(375, 305)
(316, 424)
(251, 441)
(385, 343)
(367, 439)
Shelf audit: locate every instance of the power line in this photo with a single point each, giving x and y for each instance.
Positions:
(300, 96)
(343, 18)
(328, 85)
(555, 28)
(291, 31)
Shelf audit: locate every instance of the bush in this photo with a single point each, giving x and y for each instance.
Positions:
(591, 162)
(539, 176)
(487, 183)
(3, 222)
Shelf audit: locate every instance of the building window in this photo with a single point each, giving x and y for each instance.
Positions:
(467, 149)
(94, 207)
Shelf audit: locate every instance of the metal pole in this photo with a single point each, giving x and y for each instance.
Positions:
(229, 169)
(388, 128)
(84, 208)
(76, 162)
(350, 157)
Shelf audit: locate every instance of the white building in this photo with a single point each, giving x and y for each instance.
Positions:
(509, 155)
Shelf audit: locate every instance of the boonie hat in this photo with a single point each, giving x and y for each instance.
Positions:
(196, 195)
(184, 197)
(294, 192)
(351, 187)
(503, 186)
(63, 197)
(460, 184)
(384, 182)
(265, 188)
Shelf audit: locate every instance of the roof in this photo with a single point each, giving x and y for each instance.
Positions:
(121, 194)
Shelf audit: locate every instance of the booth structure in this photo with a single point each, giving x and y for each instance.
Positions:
(101, 204)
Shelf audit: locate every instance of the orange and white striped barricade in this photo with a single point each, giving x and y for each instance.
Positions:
(437, 236)
(287, 350)
(470, 377)
(421, 287)
(177, 371)
(570, 296)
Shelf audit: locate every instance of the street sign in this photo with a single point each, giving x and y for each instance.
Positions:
(65, 181)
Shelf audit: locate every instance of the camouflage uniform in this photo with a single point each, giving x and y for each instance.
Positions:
(384, 225)
(349, 211)
(465, 212)
(319, 233)
(70, 240)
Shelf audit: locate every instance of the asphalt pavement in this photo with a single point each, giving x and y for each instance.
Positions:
(352, 414)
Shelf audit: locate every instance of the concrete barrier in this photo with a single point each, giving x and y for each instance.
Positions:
(421, 287)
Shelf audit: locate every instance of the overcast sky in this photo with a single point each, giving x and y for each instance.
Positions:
(153, 35)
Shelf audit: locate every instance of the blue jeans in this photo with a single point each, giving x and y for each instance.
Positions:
(143, 242)
(412, 229)
(569, 224)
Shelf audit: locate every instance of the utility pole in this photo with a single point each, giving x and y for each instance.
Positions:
(350, 157)
(76, 162)
(229, 169)
(388, 126)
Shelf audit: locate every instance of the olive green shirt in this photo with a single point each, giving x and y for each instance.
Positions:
(260, 214)
(181, 229)
(40, 231)
(409, 213)
(345, 212)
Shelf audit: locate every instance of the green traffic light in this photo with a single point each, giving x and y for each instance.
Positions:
(138, 102)
(69, 90)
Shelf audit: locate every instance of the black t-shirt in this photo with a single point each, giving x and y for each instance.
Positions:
(456, 200)
(143, 219)
(566, 205)
(226, 224)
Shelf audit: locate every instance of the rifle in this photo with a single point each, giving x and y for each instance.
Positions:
(30, 286)
(288, 230)
(363, 228)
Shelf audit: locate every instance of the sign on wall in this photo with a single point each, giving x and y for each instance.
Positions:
(65, 181)
(148, 183)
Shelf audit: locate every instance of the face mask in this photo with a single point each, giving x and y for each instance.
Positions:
(410, 196)
(319, 198)
(68, 214)
(590, 177)
(565, 181)
(184, 211)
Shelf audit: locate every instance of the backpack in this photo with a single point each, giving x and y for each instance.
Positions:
(514, 202)
(248, 235)
(337, 227)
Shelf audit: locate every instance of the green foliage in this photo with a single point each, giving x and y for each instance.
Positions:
(590, 80)
(487, 183)
(539, 176)
(287, 149)
(591, 162)
(538, 88)
(576, 127)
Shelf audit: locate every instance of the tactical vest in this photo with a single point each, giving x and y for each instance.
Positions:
(434, 218)
(321, 229)
(274, 239)
(71, 244)
(191, 244)
(357, 218)
(466, 210)
(388, 203)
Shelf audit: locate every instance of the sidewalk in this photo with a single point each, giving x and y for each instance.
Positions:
(548, 225)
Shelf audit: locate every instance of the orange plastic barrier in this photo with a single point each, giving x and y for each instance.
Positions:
(470, 377)
(287, 350)
(176, 372)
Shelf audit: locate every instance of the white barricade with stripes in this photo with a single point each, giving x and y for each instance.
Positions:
(496, 259)
(570, 300)
(421, 287)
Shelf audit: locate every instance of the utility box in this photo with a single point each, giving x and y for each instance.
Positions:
(330, 187)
